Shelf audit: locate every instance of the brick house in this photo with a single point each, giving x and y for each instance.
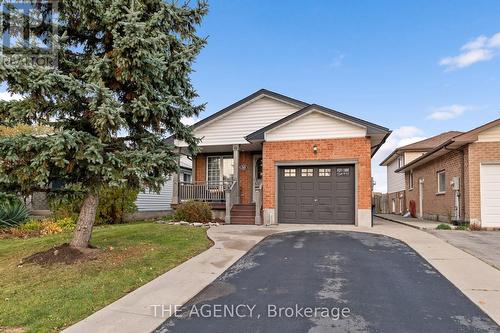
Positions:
(396, 186)
(269, 158)
(459, 179)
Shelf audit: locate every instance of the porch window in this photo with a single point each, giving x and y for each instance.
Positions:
(219, 169)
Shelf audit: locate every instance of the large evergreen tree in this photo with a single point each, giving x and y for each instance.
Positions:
(121, 83)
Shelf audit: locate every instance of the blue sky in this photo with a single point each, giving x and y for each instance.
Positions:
(395, 63)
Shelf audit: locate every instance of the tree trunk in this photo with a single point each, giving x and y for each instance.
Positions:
(86, 219)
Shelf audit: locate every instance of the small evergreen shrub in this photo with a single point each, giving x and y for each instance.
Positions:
(193, 211)
(462, 227)
(443, 226)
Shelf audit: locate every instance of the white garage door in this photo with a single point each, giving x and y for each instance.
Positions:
(490, 195)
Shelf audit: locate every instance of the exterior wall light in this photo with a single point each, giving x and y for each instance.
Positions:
(315, 149)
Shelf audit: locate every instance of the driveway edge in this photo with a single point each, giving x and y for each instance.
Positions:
(135, 311)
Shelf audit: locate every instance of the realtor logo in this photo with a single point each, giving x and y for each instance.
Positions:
(29, 33)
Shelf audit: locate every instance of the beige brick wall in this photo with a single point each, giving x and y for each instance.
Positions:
(437, 206)
(358, 149)
(396, 196)
(479, 152)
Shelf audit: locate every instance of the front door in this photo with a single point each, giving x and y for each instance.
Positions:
(257, 174)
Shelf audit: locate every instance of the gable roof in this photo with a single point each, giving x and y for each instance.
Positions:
(422, 146)
(455, 142)
(370, 127)
(258, 93)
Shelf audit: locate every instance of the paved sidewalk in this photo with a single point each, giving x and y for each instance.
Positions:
(134, 313)
(410, 221)
(484, 245)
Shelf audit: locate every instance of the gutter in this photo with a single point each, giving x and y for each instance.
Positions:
(423, 157)
(377, 147)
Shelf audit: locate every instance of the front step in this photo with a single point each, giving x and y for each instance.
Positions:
(243, 214)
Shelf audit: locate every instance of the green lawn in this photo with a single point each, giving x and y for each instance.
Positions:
(46, 299)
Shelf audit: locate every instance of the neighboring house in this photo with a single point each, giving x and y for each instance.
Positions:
(396, 187)
(459, 179)
(154, 203)
(275, 159)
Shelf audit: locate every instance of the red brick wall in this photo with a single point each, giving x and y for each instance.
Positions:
(437, 205)
(358, 149)
(200, 167)
(246, 175)
(479, 152)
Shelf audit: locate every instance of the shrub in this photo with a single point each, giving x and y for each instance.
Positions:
(443, 226)
(31, 225)
(115, 203)
(49, 227)
(462, 227)
(66, 223)
(193, 211)
(13, 213)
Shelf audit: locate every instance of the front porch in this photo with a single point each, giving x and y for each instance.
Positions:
(230, 180)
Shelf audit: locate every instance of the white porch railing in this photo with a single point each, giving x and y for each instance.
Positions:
(204, 191)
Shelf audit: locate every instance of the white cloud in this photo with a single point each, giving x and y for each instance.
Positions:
(7, 96)
(189, 120)
(337, 61)
(400, 137)
(481, 48)
(447, 112)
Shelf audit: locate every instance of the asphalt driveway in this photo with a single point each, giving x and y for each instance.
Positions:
(330, 282)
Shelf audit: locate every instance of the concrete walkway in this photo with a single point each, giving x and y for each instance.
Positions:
(410, 221)
(484, 245)
(135, 312)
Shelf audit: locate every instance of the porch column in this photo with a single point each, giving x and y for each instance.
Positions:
(193, 168)
(176, 180)
(236, 171)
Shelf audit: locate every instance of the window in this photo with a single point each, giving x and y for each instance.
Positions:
(289, 173)
(410, 180)
(325, 172)
(186, 177)
(306, 172)
(441, 175)
(341, 172)
(219, 168)
(401, 161)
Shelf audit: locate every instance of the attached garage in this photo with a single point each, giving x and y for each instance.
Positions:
(490, 195)
(316, 194)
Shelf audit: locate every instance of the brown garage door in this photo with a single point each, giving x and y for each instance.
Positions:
(316, 194)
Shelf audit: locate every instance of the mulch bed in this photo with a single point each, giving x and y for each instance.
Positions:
(62, 254)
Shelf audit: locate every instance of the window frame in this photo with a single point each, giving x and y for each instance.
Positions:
(411, 180)
(221, 166)
(438, 175)
(401, 161)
